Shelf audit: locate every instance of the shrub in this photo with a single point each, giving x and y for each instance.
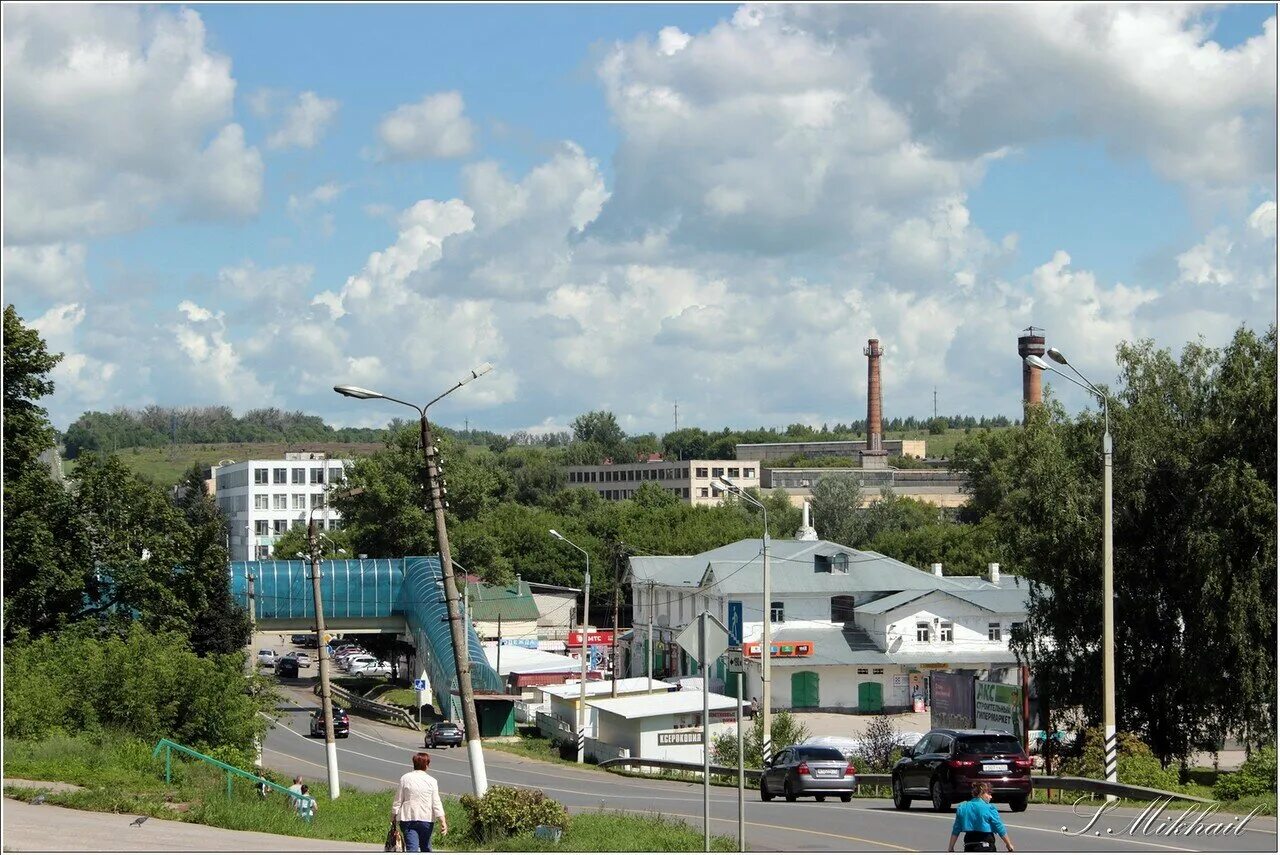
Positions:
(504, 811)
(1255, 778)
(878, 742)
(1136, 764)
(785, 728)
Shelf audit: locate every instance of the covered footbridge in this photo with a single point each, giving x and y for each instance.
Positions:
(404, 596)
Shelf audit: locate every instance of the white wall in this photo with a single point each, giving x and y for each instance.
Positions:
(969, 624)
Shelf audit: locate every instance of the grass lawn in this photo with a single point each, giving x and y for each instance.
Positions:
(534, 747)
(121, 776)
(400, 697)
(168, 464)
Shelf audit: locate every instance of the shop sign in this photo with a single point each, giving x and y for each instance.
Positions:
(998, 706)
(604, 636)
(681, 737)
(779, 648)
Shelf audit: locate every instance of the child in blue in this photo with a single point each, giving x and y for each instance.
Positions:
(980, 822)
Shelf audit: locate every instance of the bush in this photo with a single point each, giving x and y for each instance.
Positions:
(1255, 778)
(1136, 764)
(786, 730)
(504, 811)
(878, 743)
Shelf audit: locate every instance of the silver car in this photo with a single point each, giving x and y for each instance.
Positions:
(808, 770)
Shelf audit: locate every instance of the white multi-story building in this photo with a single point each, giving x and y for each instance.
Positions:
(693, 481)
(262, 499)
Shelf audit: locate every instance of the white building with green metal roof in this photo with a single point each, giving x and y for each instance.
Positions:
(851, 629)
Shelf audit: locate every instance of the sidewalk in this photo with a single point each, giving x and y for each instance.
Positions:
(47, 828)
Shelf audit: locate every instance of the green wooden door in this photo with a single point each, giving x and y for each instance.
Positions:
(731, 680)
(804, 690)
(870, 697)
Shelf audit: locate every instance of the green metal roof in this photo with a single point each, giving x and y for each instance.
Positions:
(508, 602)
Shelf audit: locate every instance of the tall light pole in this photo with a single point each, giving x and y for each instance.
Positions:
(766, 746)
(436, 493)
(582, 693)
(322, 651)
(1110, 763)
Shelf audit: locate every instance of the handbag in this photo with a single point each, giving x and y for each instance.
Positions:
(393, 839)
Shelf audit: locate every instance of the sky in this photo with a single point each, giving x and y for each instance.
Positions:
(623, 207)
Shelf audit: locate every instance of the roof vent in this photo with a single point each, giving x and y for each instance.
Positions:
(993, 573)
(806, 532)
(937, 569)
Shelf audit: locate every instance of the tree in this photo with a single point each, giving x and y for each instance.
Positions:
(218, 623)
(1194, 543)
(598, 426)
(784, 728)
(27, 363)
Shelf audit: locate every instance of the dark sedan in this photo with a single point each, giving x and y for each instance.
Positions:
(808, 770)
(945, 763)
(444, 733)
(341, 723)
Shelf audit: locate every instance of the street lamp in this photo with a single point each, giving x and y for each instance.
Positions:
(1108, 606)
(436, 493)
(582, 692)
(766, 747)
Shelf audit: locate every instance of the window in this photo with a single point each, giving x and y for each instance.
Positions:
(993, 632)
(947, 632)
(280, 476)
(241, 504)
(317, 475)
(1013, 627)
(922, 631)
(733, 471)
(261, 502)
(701, 472)
(684, 492)
(862, 671)
(334, 525)
(702, 492)
(717, 471)
(842, 606)
(299, 475)
(299, 501)
(335, 474)
(776, 611)
(300, 523)
(317, 500)
(260, 476)
(279, 526)
(877, 670)
(749, 473)
(263, 552)
(260, 527)
(280, 502)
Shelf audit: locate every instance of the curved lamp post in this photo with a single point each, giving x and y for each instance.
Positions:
(582, 692)
(436, 493)
(1110, 764)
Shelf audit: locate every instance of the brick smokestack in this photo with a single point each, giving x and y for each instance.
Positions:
(1030, 344)
(874, 432)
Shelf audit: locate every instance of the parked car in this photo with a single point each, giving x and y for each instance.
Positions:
(287, 667)
(375, 669)
(341, 723)
(808, 770)
(304, 660)
(266, 657)
(443, 733)
(356, 662)
(945, 763)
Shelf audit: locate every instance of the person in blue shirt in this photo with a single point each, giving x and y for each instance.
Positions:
(980, 822)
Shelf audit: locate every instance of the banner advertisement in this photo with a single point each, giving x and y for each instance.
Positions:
(952, 700)
(998, 706)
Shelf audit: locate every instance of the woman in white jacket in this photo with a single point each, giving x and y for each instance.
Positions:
(417, 806)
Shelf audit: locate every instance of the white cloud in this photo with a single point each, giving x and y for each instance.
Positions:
(49, 271)
(433, 127)
(304, 122)
(113, 113)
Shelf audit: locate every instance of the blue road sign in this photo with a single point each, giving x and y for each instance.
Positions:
(735, 623)
(420, 685)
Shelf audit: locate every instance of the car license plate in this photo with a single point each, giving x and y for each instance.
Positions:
(824, 773)
(995, 767)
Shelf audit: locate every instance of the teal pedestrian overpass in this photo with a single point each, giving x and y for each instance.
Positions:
(404, 596)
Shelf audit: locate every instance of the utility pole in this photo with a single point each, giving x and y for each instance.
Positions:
(935, 402)
(499, 667)
(461, 654)
(326, 698)
(582, 692)
(250, 666)
(617, 588)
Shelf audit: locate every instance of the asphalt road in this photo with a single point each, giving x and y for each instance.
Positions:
(376, 755)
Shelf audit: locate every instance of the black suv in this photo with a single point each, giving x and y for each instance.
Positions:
(341, 723)
(444, 733)
(287, 667)
(943, 766)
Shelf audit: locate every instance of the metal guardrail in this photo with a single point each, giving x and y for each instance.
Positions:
(880, 779)
(354, 701)
(169, 746)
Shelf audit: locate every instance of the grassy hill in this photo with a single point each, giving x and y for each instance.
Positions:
(939, 445)
(167, 465)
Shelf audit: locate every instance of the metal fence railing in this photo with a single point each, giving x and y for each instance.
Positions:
(168, 746)
(353, 701)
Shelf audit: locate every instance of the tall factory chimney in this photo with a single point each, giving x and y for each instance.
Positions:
(874, 456)
(1030, 344)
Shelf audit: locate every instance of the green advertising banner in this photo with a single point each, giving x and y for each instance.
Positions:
(998, 706)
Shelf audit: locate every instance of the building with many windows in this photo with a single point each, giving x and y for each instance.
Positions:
(693, 481)
(262, 499)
